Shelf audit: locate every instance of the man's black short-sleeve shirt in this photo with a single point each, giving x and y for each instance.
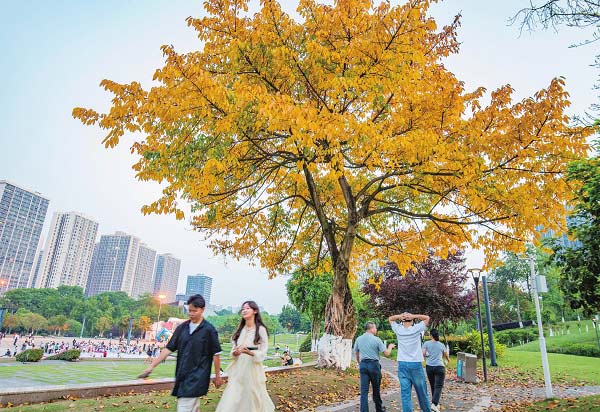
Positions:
(194, 358)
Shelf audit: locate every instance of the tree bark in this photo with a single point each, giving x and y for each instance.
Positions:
(335, 346)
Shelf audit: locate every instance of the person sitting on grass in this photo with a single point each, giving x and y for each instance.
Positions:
(286, 359)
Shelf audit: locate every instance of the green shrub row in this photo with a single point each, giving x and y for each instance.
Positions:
(470, 342)
(30, 355)
(516, 336)
(578, 349)
(68, 355)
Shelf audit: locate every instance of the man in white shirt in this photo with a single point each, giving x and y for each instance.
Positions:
(410, 358)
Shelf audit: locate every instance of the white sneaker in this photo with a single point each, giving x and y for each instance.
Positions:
(434, 408)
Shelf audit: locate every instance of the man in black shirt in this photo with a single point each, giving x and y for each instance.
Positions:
(197, 345)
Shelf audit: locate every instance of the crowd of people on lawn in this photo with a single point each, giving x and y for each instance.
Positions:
(93, 348)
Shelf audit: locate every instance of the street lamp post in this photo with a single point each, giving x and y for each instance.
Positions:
(476, 273)
(545, 365)
(488, 320)
(160, 298)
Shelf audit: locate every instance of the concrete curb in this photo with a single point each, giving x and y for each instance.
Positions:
(37, 394)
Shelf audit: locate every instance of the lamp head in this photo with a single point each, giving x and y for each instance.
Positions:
(475, 273)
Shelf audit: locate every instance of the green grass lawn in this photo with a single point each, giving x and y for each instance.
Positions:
(103, 370)
(62, 373)
(564, 369)
(555, 341)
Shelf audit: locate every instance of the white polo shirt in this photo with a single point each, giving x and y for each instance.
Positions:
(409, 342)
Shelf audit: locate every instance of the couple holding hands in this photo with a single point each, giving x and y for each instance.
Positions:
(197, 344)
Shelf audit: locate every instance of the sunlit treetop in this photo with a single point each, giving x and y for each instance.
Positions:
(341, 133)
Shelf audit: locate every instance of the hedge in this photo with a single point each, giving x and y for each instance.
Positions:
(516, 336)
(68, 355)
(577, 349)
(30, 355)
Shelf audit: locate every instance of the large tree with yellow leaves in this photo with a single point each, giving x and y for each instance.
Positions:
(339, 138)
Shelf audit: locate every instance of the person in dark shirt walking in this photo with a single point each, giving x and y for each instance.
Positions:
(197, 344)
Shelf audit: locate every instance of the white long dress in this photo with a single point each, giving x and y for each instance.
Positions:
(246, 389)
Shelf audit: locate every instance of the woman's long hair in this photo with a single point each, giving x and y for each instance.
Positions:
(258, 322)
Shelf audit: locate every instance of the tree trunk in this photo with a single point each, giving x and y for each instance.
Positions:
(315, 330)
(335, 346)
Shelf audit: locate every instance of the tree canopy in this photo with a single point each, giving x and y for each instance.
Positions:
(340, 138)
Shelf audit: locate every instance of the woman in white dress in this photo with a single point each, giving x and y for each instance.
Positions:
(246, 389)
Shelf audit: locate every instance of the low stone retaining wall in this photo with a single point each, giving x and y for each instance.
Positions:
(37, 394)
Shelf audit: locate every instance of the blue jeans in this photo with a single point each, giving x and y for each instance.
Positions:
(370, 373)
(411, 374)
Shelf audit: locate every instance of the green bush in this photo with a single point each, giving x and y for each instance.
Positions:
(577, 349)
(387, 335)
(455, 343)
(474, 344)
(68, 355)
(30, 355)
(516, 336)
(305, 346)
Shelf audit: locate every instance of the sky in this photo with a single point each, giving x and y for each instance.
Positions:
(54, 55)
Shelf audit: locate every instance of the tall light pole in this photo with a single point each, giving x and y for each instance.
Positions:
(545, 365)
(160, 298)
(488, 320)
(476, 273)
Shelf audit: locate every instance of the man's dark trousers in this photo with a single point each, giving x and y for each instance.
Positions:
(370, 373)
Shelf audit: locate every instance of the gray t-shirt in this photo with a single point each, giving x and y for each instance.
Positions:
(368, 346)
(434, 351)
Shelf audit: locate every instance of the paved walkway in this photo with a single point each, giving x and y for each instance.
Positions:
(463, 397)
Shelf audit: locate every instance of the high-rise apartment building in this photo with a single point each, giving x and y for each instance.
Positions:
(68, 251)
(166, 276)
(113, 264)
(22, 215)
(144, 270)
(201, 284)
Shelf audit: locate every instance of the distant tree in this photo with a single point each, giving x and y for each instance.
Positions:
(103, 324)
(434, 287)
(74, 327)
(510, 277)
(309, 293)
(58, 323)
(143, 324)
(11, 322)
(580, 263)
(33, 322)
(289, 318)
